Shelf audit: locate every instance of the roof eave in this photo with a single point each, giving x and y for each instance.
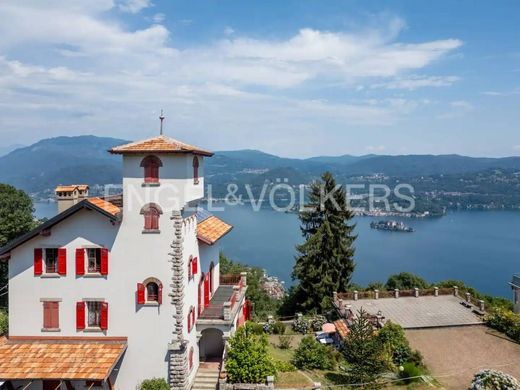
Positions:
(6, 249)
(195, 152)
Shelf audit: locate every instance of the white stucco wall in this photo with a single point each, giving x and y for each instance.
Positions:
(133, 257)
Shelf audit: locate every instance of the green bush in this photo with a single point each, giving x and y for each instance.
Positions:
(493, 380)
(255, 327)
(285, 342)
(505, 321)
(248, 358)
(317, 322)
(406, 281)
(154, 384)
(4, 323)
(410, 373)
(393, 338)
(283, 366)
(312, 355)
(278, 327)
(301, 325)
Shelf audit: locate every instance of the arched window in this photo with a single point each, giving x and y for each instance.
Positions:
(149, 291)
(191, 318)
(190, 359)
(195, 170)
(190, 267)
(151, 214)
(152, 292)
(151, 166)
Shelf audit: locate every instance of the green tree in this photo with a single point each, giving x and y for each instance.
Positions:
(312, 355)
(248, 359)
(16, 218)
(364, 351)
(154, 384)
(406, 281)
(324, 263)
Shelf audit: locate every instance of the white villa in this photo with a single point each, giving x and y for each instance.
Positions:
(116, 290)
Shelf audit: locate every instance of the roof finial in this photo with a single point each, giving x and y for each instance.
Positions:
(162, 119)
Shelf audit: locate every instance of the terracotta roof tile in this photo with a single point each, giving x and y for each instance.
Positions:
(59, 359)
(105, 205)
(212, 229)
(160, 144)
(71, 187)
(341, 328)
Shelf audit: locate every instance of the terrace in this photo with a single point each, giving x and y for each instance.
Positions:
(226, 300)
(414, 309)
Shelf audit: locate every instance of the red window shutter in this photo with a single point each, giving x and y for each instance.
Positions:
(140, 294)
(104, 261)
(55, 315)
(80, 261)
(189, 321)
(159, 297)
(195, 265)
(104, 316)
(62, 261)
(38, 261)
(80, 315)
(46, 315)
(193, 315)
(190, 268)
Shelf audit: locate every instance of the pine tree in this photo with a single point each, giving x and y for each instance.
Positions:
(325, 260)
(364, 351)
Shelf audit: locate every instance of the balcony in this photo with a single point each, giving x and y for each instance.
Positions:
(515, 283)
(226, 301)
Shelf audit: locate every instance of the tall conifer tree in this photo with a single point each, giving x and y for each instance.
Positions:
(324, 263)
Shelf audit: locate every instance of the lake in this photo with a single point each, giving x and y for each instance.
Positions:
(480, 247)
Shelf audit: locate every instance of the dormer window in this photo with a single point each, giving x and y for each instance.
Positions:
(151, 166)
(195, 170)
(151, 214)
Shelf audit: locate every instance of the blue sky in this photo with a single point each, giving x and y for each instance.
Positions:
(294, 78)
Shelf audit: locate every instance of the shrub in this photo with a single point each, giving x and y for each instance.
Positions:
(317, 322)
(283, 366)
(154, 384)
(505, 321)
(285, 342)
(406, 281)
(278, 327)
(393, 338)
(410, 373)
(311, 354)
(493, 380)
(4, 323)
(248, 358)
(268, 328)
(300, 325)
(255, 327)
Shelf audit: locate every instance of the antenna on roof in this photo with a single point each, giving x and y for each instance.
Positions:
(162, 119)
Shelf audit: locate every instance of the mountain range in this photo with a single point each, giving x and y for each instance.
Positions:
(84, 159)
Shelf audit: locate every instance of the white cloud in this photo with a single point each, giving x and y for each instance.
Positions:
(414, 82)
(114, 78)
(375, 148)
(134, 6)
(462, 105)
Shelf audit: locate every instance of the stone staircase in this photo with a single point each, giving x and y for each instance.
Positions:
(206, 377)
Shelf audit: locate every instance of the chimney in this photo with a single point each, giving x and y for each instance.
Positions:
(69, 195)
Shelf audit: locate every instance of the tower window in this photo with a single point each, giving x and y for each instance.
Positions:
(151, 214)
(151, 166)
(195, 170)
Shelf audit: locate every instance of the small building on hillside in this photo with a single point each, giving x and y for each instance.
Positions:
(116, 290)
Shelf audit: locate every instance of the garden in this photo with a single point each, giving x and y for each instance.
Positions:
(292, 353)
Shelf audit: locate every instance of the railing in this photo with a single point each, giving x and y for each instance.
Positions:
(230, 279)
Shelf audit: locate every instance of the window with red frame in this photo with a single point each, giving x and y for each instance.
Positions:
(151, 213)
(151, 165)
(51, 315)
(191, 318)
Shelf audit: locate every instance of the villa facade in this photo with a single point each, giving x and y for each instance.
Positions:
(116, 290)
